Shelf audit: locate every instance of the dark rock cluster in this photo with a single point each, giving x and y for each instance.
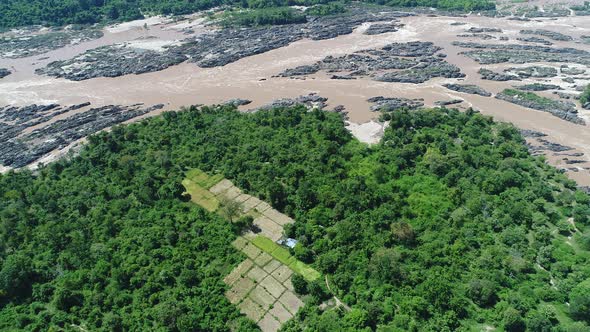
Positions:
(29, 45)
(533, 71)
(535, 40)
(379, 28)
(211, 50)
(422, 73)
(444, 103)
(112, 61)
(4, 72)
(567, 70)
(311, 101)
(487, 74)
(549, 34)
(554, 147)
(562, 109)
(538, 87)
(520, 54)
(413, 62)
(483, 30)
(22, 147)
(543, 147)
(532, 133)
(386, 104)
(237, 102)
(483, 36)
(468, 88)
(564, 95)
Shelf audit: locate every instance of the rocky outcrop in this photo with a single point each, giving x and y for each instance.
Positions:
(570, 80)
(237, 102)
(4, 72)
(561, 109)
(379, 28)
(535, 40)
(421, 73)
(477, 35)
(532, 133)
(487, 74)
(301, 71)
(413, 62)
(22, 147)
(385, 104)
(483, 30)
(112, 61)
(567, 70)
(564, 95)
(33, 44)
(312, 100)
(468, 88)
(211, 50)
(412, 49)
(444, 103)
(554, 147)
(533, 71)
(549, 34)
(538, 87)
(520, 54)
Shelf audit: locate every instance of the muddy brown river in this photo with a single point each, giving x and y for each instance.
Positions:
(252, 77)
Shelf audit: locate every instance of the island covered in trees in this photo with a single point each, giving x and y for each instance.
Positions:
(447, 224)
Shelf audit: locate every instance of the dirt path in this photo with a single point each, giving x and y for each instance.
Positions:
(338, 302)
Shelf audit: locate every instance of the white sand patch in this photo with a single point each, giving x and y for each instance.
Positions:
(369, 132)
(187, 24)
(152, 44)
(4, 169)
(122, 27)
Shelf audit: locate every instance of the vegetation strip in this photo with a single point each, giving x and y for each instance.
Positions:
(283, 256)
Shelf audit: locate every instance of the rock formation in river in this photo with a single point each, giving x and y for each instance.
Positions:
(22, 146)
(4, 72)
(468, 88)
(412, 62)
(210, 50)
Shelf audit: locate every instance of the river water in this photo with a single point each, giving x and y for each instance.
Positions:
(252, 77)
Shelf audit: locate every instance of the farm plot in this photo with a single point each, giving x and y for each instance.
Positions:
(261, 285)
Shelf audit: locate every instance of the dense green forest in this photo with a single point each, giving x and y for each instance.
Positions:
(263, 16)
(447, 224)
(14, 13)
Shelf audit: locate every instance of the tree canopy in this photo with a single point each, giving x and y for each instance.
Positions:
(447, 224)
(14, 13)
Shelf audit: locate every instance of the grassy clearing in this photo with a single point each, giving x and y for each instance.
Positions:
(282, 255)
(203, 179)
(201, 196)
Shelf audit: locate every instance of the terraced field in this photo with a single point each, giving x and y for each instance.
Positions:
(261, 285)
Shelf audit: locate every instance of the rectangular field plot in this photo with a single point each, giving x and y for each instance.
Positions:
(305, 270)
(202, 179)
(201, 196)
(282, 255)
